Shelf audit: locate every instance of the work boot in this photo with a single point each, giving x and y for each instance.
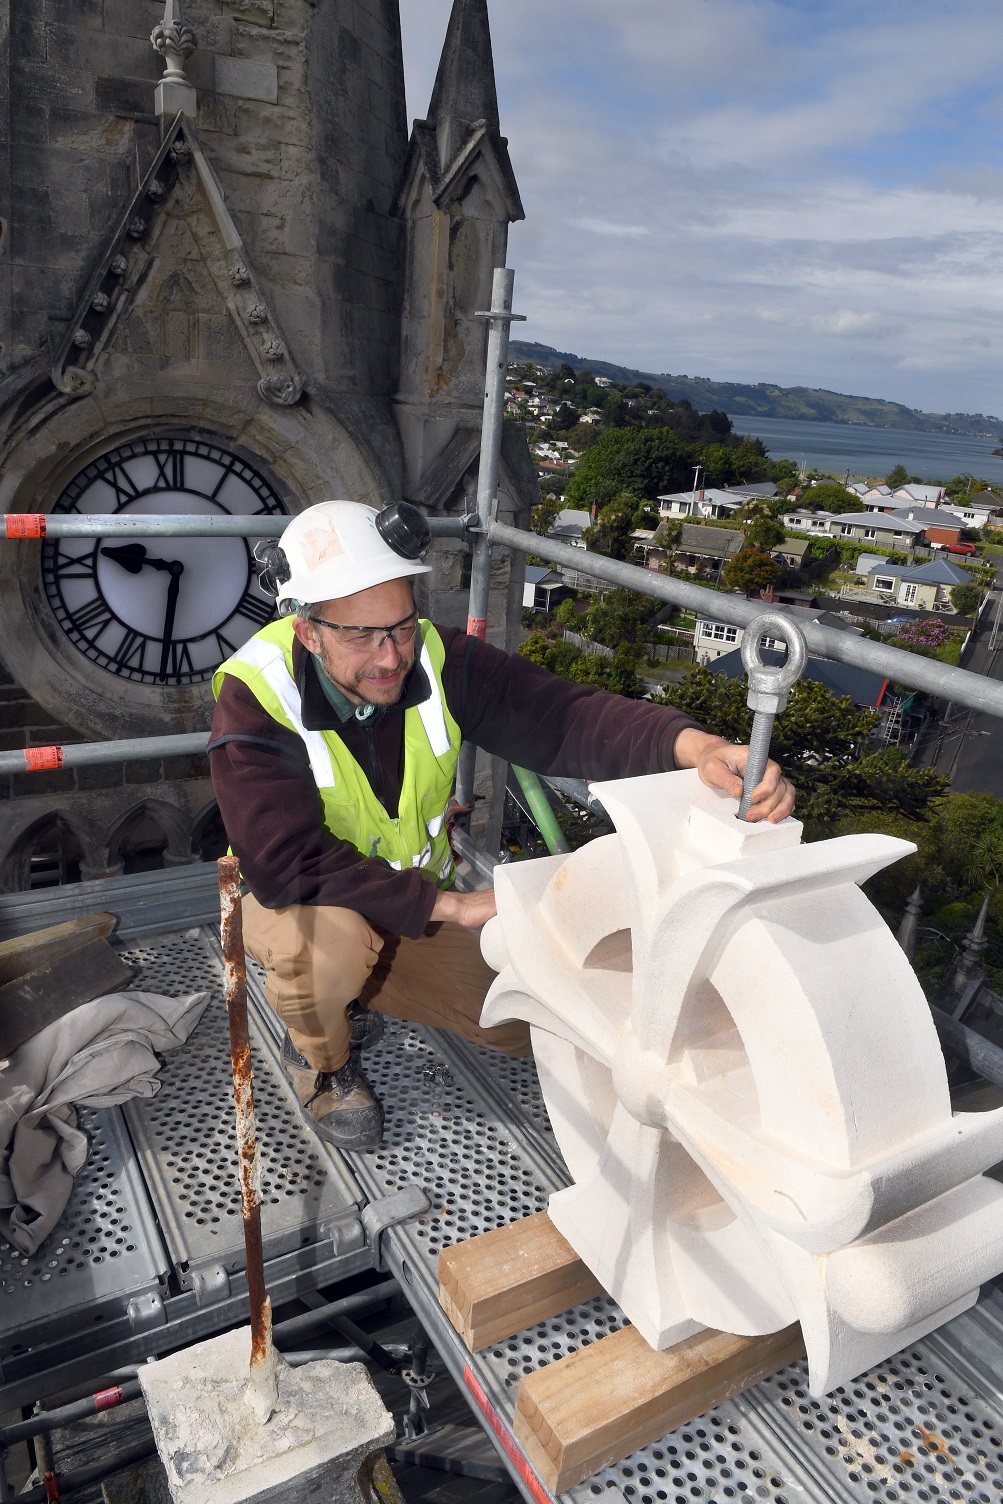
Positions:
(341, 1105)
(367, 1028)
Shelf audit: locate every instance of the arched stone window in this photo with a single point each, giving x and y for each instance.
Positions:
(46, 855)
(139, 843)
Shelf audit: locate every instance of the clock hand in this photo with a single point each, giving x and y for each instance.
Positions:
(177, 570)
(132, 556)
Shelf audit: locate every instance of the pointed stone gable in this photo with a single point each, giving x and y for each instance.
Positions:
(464, 90)
(174, 284)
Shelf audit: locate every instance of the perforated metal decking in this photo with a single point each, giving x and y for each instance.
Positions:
(471, 1128)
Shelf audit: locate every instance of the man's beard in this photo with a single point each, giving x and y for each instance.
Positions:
(360, 690)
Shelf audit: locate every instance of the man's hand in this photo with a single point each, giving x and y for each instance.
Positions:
(721, 765)
(472, 910)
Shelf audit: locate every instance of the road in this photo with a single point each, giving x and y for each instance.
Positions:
(971, 752)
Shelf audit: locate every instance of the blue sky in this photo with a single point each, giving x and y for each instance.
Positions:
(800, 191)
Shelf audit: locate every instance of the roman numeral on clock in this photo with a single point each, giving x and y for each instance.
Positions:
(254, 609)
(170, 470)
(132, 646)
(94, 617)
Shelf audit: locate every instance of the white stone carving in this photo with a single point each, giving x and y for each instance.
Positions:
(175, 41)
(745, 1080)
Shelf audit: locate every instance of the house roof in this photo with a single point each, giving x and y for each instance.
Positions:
(714, 495)
(863, 688)
(542, 574)
(915, 492)
(570, 523)
(763, 488)
(798, 546)
(712, 542)
(883, 521)
(929, 516)
(937, 572)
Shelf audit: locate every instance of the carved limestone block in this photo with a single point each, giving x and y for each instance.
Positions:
(745, 1080)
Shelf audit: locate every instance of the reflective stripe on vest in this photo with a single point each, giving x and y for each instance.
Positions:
(270, 661)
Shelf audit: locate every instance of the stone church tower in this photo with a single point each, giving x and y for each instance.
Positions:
(228, 283)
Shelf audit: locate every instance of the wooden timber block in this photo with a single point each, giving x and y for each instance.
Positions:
(503, 1281)
(29, 952)
(598, 1405)
(31, 1002)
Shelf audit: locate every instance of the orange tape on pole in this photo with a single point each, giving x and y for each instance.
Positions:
(40, 759)
(24, 524)
(477, 626)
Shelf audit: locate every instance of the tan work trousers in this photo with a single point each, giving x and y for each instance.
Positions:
(319, 959)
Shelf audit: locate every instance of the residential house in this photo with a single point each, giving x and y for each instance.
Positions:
(713, 501)
(601, 381)
(791, 553)
(569, 525)
(543, 588)
(884, 499)
(707, 502)
(866, 690)
(893, 531)
(590, 415)
(713, 639)
(708, 548)
(924, 587)
(939, 525)
(978, 511)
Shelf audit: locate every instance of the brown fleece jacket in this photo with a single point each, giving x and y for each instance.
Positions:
(508, 706)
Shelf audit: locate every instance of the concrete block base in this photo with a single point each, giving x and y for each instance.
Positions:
(329, 1419)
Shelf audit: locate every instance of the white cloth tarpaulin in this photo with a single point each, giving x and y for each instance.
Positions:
(98, 1055)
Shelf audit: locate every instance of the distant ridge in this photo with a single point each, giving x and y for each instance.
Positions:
(764, 400)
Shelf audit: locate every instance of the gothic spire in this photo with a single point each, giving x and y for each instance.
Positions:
(464, 89)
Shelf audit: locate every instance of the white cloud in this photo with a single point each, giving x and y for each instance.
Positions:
(756, 190)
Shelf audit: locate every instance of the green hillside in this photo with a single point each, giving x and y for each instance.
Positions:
(764, 400)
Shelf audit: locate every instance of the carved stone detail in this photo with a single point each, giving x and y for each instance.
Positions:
(257, 314)
(273, 349)
(174, 40)
(81, 339)
(118, 266)
(136, 227)
(283, 388)
(756, 1133)
(155, 191)
(239, 275)
(100, 301)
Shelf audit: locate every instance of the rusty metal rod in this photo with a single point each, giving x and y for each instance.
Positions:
(235, 984)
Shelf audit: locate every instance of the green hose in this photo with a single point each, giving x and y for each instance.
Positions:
(541, 810)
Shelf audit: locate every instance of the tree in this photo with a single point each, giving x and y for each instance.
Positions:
(751, 569)
(616, 618)
(610, 533)
(897, 476)
(567, 614)
(965, 598)
(565, 418)
(820, 740)
(646, 461)
(763, 532)
(830, 497)
(545, 513)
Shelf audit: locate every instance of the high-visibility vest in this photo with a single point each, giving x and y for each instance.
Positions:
(417, 838)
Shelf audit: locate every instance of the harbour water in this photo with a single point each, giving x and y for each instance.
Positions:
(836, 448)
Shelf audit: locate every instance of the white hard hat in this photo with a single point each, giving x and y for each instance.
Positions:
(337, 548)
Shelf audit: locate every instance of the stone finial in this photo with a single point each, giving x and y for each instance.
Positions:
(909, 928)
(175, 41)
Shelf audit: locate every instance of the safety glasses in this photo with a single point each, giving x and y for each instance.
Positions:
(371, 639)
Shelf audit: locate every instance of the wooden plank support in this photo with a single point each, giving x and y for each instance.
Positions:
(598, 1405)
(28, 952)
(504, 1281)
(37, 998)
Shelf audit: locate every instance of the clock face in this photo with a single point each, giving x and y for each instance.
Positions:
(160, 610)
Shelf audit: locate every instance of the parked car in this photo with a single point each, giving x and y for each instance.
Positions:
(961, 548)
